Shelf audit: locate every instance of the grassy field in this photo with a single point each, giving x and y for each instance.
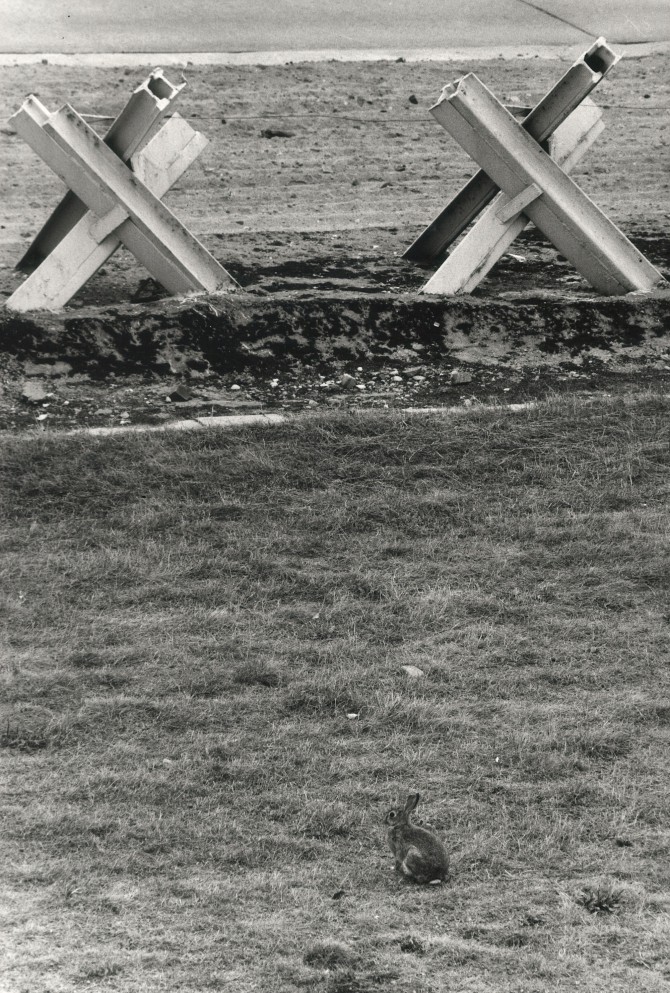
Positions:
(205, 713)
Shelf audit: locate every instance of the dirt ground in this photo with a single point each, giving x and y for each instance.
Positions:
(326, 207)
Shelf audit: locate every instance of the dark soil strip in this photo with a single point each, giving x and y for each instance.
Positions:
(250, 332)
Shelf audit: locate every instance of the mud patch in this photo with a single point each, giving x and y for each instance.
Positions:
(247, 352)
(247, 332)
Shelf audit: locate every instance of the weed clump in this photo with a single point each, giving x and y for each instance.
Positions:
(414, 946)
(601, 899)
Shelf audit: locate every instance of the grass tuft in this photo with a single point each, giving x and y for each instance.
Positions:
(258, 673)
(101, 969)
(412, 945)
(330, 955)
(29, 728)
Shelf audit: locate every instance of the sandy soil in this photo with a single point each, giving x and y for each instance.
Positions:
(329, 206)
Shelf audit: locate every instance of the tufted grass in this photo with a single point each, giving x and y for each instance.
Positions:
(204, 712)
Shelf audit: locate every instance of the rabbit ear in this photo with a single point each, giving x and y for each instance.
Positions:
(411, 803)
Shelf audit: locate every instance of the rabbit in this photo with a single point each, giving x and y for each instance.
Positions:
(419, 855)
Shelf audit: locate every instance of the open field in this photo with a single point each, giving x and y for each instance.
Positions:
(205, 713)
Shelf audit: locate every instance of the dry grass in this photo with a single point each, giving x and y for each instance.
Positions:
(191, 621)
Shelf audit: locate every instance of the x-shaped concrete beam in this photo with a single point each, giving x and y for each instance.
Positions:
(504, 219)
(148, 104)
(536, 187)
(111, 203)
